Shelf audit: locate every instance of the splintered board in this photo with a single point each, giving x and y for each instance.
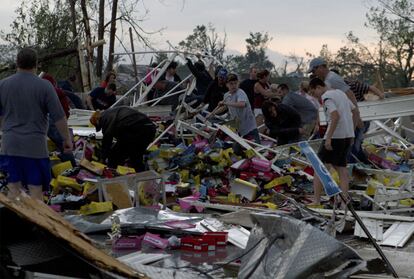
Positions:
(40, 214)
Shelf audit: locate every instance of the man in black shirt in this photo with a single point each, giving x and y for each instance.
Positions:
(133, 132)
(247, 85)
(102, 98)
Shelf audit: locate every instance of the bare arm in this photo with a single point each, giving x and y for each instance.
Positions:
(266, 93)
(62, 127)
(240, 104)
(331, 129)
(376, 91)
(351, 97)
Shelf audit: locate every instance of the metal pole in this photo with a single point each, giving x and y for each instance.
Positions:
(134, 62)
(366, 231)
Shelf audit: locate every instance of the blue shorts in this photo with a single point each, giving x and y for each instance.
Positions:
(28, 171)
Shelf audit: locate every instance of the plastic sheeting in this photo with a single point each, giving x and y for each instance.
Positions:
(284, 247)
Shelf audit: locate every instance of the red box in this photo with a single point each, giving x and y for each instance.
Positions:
(220, 237)
(203, 243)
(128, 242)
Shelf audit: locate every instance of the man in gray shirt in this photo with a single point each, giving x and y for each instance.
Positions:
(307, 111)
(26, 102)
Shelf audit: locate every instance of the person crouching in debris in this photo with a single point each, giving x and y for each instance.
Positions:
(102, 98)
(238, 105)
(342, 116)
(133, 132)
(283, 122)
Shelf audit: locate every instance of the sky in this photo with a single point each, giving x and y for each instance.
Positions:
(297, 26)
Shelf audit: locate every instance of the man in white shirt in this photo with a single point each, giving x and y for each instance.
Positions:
(342, 115)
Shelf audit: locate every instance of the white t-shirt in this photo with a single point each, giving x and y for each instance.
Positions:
(336, 100)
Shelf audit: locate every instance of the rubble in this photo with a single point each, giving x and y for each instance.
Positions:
(199, 171)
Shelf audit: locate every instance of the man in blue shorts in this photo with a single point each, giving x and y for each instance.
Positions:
(26, 102)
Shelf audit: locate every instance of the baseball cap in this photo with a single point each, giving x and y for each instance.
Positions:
(315, 62)
(222, 73)
(232, 77)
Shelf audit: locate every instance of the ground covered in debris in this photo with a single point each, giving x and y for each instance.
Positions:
(213, 204)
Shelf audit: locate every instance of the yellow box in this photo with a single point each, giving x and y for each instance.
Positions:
(96, 207)
(122, 170)
(287, 179)
(61, 167)
(64, 181)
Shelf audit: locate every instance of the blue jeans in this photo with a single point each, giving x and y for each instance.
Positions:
(356, 149)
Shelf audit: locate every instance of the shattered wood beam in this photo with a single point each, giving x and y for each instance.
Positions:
(40, 214)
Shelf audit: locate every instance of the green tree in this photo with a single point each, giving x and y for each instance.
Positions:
(45, 27)
(256, 45)
(205, 40)
(393, 22)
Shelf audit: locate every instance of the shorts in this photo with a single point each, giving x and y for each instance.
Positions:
(338, 155)
(28, 171)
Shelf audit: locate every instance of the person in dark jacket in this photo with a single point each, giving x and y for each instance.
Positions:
(133, 132)
(201, 75)
(216, 90)
(283, 122)
(171, 73)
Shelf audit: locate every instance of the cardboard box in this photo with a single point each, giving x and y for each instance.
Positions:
(244, 189)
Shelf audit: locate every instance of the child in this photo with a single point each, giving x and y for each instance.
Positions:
(341, 115)
(238, 105)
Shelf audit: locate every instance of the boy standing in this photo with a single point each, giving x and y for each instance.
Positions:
(238, 105)
(342, 115)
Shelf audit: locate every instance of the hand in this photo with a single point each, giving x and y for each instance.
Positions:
(316, 129)
(382, 95)
(67, 146)
(360, 123)
(221, 103)
(301, 131)
(328, 144)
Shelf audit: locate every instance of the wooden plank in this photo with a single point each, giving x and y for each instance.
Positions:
(40, 214)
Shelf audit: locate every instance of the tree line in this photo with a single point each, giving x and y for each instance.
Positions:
(61, 27)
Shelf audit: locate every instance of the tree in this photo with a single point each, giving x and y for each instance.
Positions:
(393, 22)
(205, 40)
(256, 45)
(45, 27)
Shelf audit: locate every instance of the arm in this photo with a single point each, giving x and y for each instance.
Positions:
(258, 89)
(106, 146)
(376, 91)
(331, 128)
(193, 70)
(240, 104)
(351, 97)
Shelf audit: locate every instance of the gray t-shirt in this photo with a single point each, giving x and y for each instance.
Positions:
(25, 101)
(244, 116)
(335, 81)
(307, 111)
